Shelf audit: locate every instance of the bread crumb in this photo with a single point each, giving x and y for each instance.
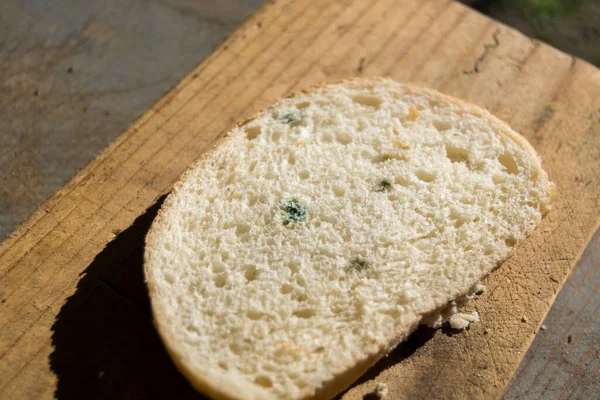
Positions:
(381, 390)
(524, 318)
(413, 114)
(462, 321)
(543, 327)
(479, 288)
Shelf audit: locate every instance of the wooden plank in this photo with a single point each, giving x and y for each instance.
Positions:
(563, 361)
(91, 334)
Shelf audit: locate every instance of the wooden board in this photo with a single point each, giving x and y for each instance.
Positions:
(563, 362)
(74, 309)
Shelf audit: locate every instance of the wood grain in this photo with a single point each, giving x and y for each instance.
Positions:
(563, 361)
(70, 277)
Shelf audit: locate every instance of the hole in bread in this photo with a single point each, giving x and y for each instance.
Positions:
(456, 154)
(300, 281)
(275, 136)
(302, 297)
(466, 200)
(292, 158)
(326, 138)
(343, 137)
(368, 101)
(304, 175)
(235, 348)
(286, 288)
(242, 228)
(250, 272)
(252, 132)
(169, 277)
(509, 163)
(223, 365)
(510, 241)
(302, 105)
(459, 222)
(218, 267)
(263, 381)
(339, 190)
(304, 313)
(425, 176)
(441, 126)
(220, 280)
(254, 315)
(293, 266)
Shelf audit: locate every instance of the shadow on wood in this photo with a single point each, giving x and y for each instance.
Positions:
(105, 346)
(404, 350)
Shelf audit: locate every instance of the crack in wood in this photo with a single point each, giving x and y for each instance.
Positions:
(486, 51)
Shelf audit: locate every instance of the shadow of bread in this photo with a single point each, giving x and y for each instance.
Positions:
(105, 346)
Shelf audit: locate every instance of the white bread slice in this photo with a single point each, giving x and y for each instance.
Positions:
(316, 235)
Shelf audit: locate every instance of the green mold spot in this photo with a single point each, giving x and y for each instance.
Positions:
(384, 186)
(292, 118)
(358, 264)
(293, 212)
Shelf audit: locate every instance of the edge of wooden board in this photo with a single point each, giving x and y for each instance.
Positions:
(546, 95)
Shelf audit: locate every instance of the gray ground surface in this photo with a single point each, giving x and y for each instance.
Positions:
(75, 74)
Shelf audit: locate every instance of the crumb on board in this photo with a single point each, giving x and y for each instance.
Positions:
(381, 390)
(462, 321)
(543, 327)
(479, 288)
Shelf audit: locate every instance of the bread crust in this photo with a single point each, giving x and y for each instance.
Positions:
(241, 390)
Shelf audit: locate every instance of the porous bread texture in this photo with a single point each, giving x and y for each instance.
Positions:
(316, 235)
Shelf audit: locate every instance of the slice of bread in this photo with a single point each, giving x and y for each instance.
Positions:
(316, 235)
